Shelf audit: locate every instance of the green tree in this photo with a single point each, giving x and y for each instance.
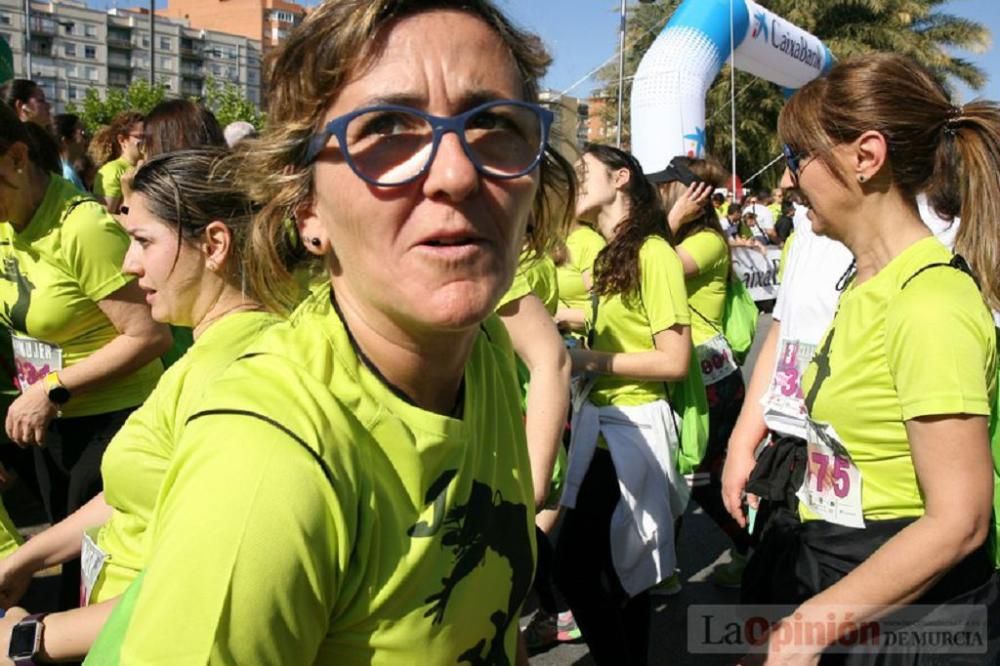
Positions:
(228, 104)
(919, 29)
(96, 112)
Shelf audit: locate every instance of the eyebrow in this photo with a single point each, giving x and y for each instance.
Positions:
(469, 99)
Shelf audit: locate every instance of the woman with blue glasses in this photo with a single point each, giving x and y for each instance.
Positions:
(357, 488)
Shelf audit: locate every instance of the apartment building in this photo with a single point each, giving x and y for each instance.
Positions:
(73, 48)
(269, 21)
(569, 130)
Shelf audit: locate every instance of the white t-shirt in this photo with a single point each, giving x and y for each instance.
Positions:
(807, 300)
(765, 218)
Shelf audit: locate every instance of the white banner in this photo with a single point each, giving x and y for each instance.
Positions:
(758, 270)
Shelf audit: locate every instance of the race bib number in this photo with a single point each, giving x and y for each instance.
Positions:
(34, 359)
(92, 560)
(716, 360)
(832, 484)
(785, 392)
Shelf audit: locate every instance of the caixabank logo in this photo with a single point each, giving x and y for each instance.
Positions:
(785, 40)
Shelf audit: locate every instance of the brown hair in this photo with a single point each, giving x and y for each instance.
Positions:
(14, 131)
(616, 269)
(178, 124)
(934, 146)
(104, 146)
(307, 72)
(709, 171)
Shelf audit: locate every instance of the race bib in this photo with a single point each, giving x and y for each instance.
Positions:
(715, 359)
(784, 395)
(92, 561)
(832, 484)
(34, 359)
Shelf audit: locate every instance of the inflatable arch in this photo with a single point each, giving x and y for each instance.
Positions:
(669, 88)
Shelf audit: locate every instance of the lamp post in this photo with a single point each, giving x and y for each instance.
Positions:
(27, 38)
(152, 43)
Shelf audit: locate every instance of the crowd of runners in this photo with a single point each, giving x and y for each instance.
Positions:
(349, 391)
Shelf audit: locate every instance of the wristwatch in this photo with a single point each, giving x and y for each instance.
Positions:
(57, 392)
(26, 640)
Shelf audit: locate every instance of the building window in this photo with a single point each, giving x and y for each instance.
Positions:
(145, 41)
(72, 71)
(165, 44)
(90, 52)
(166, 62)
(69, 49)
(90, 30)
(284, 17)
(73, 92)
(5, 37)
(91, 73)
(4, 18)
(252, 76)
(68, 27)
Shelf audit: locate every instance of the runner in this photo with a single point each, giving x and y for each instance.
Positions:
(377, 503)
(195, 282)
(116, 149)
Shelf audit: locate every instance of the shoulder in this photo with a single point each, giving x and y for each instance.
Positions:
(656, 249)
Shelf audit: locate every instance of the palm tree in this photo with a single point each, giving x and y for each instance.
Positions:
(918, 29)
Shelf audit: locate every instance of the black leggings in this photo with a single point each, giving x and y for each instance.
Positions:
(725, 399)
(69, 475)
(615, 626)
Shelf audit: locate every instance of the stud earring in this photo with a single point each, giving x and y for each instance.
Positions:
(315, 242)
(861, 178)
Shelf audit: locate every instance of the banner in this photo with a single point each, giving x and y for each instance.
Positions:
(758, 270)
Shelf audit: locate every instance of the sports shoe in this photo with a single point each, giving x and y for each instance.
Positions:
(542, 631)
(567, 630)
(730, 574)
(668, 587)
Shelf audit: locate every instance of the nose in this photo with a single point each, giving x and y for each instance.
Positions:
(786, 179)
(452, 174)
(131, 264)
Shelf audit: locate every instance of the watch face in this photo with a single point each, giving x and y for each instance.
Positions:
(22, 641)
(59, 395)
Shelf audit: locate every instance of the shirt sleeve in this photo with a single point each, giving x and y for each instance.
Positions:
(664, 295)
(243, 571)
(94, 247)
(589, 249)
(938, 346)
(108, 182)
(519, 288)
(707, 249)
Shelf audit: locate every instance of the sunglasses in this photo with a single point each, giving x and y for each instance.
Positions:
(794, 162)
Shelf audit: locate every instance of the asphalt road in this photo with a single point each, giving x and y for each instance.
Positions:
(701, 547)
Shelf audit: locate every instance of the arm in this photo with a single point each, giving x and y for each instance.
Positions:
(540, 348)
(951, 456)
(571, 319)
(750, 428)
(68, 635)
(668, 362)
(139, 341)
(56, 545)
(690, 266)
(113, 204)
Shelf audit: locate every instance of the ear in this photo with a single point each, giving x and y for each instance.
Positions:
(311, 229)
(621, 178)
(870, 154)
(19, 156)
(217, 244)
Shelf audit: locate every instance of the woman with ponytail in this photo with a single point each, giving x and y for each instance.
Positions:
(897, 481)
(625, 433)
(117, 148)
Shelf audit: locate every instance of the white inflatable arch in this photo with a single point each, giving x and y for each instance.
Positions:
(668, 92)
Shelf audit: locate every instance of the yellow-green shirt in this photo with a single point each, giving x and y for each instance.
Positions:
(582, 246)
(54, 273)
(313, 515)
(535, 275)
(137, 458)
(629, 325)
(897, 354)
(108, 182)
(707, 290)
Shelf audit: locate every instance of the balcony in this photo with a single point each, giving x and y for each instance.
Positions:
(116, 81)
(40, 47)
(116, 61)
(116, 42)
(193, 72)
(191, 90)
(41, 25)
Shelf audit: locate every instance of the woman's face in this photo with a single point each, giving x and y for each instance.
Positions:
(597, 188)
(171, 280)
(36, 109)
(438, 253)
(14, 175)
(828, 198)
(131, 144)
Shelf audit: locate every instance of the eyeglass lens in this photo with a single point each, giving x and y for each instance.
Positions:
(393, 146)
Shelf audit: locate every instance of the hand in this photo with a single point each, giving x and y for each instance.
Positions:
(780, 654)
(690, 205)
(735, 473)
(29, 415)
(14, 581)
(7, 622)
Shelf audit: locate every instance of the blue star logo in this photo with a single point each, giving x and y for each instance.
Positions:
(699, 141)
(761, 27)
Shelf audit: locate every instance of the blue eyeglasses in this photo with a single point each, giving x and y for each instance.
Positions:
(389, 145)
(794, 162)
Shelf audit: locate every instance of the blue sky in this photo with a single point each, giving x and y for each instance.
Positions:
(583, 34)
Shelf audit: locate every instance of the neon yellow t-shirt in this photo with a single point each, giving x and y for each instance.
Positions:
(137, 458)
(54, 273)
(313, 515)
(707, 290)
(535, 275)
(108, 182)
(898, 354)
(583, 246)
(626, 326)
